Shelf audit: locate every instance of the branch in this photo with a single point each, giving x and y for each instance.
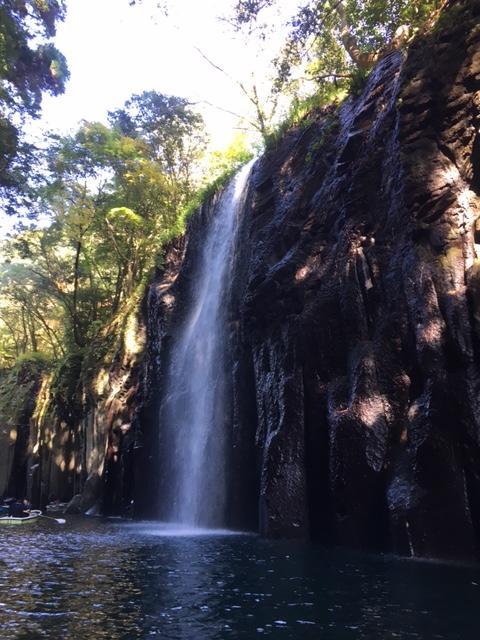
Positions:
(111, 232)
(212, 64)
(335, 76)
(232, 113)
(260, 114)
(218, 68)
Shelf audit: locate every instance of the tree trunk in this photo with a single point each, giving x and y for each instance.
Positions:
(364, 61)
(78, 337)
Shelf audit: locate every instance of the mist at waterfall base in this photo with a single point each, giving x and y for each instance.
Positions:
(107, 579)
(194, 418)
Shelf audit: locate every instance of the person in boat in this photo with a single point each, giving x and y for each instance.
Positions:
(19, 509)
(5, 505)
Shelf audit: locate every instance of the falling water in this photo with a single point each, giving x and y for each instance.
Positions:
(195, 418)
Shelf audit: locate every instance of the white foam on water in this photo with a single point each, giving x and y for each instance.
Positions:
(178, 530)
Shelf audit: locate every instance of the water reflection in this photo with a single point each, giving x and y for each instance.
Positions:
(93, 579)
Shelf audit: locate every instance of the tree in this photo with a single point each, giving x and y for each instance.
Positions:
(172, 131)
(136, 191)
(230, 159)
(29, 67)
(342, 35)
(30, 318)
(113, 195)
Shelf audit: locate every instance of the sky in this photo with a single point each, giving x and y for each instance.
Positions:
(114, 50)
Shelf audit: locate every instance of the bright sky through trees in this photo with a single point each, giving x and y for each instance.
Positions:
(114, 50)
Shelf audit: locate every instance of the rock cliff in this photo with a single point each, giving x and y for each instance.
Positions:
(354, 320)
(355, 324)
(354, 330)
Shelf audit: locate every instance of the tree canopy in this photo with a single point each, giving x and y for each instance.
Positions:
(30, 66)
(114, 195)
(337, 37)
(173, 133)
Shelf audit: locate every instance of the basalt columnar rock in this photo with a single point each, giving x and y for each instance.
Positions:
(19, 388)
(355, 316)
(355, 321)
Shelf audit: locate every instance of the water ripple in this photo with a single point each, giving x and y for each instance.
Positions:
(116, 581)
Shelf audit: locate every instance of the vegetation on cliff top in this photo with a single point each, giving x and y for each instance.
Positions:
(331, 48)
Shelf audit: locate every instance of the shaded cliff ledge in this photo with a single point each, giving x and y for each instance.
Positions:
(355, 324)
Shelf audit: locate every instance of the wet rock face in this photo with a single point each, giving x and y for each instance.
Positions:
(160, 303)
(18, 389)
(355, 318)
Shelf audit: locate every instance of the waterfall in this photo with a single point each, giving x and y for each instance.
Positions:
(195, 417)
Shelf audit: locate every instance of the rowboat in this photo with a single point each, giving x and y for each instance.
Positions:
(12, 520)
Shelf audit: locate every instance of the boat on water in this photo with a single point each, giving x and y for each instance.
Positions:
(33, 516)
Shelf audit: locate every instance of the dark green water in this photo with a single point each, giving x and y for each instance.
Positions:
(91, 579)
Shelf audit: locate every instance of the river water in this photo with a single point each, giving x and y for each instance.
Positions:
(107, 579)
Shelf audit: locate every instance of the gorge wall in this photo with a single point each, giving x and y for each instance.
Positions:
(354, 329)
(66, 434)
(354, 324)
